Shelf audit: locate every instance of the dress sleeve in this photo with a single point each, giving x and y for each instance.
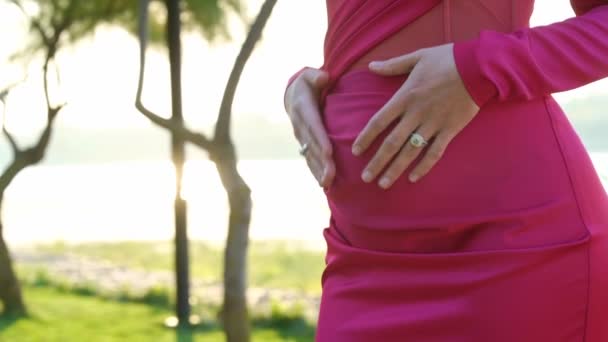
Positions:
(535, 62)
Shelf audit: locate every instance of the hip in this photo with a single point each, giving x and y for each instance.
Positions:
(506, 170)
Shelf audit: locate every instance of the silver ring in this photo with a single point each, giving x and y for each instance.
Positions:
(304, 149)
(417, 140)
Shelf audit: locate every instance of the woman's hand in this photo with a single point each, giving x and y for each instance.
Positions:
(302, 105)
(432, 102)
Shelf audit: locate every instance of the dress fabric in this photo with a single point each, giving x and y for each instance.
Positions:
(506, 239)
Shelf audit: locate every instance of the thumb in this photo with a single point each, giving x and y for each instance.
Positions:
(316, 77)
(396, 66)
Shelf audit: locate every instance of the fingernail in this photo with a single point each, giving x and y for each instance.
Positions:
(384, 182)
(356, 150)
(324, 174)
(374, 64)
(414, 178)
(367, 176)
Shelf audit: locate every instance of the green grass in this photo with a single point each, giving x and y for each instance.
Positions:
(158, 295)
(271, 264)
(65, 317)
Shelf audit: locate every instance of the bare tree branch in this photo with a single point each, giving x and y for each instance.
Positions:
(30, 156)
(222, 128)
(45, 69)
(35, 23)
(10, 172)
(5, 131)
(186, 134)
(3, 96)
(34, 154)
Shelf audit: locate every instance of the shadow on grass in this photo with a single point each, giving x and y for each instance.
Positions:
(184, 334)
(294, 328)
(288, 323)
(6, 320)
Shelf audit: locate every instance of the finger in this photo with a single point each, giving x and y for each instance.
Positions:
(315, 168)
(315, 80)
(431, 156)
(405, 157)
(329, 173)
(312, 156)
(309, 128)
(318, 155)
(308, 118)
(324, 153)
(380, 121)
(392, 144)
(322, 150)
(396, 66)
(316, 77)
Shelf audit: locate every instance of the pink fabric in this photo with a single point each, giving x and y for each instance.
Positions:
(535, 62)
(506, 239)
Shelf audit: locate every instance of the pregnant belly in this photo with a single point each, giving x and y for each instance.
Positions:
(504, 171)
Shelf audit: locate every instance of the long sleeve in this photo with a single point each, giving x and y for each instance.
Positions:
(535, 62)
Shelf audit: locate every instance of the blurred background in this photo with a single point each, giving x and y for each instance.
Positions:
(91, 225)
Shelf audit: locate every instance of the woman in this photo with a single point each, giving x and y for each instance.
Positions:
(463, 205)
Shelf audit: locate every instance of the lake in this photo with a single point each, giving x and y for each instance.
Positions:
(133, 201)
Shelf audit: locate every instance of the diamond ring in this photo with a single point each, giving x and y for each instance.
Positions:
(417, 140)
(304, 149)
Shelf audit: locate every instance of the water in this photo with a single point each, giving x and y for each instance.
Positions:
(133, 201)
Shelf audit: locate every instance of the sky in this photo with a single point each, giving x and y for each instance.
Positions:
(99, 75)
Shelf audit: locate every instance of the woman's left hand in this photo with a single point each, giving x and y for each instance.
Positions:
(432, 102)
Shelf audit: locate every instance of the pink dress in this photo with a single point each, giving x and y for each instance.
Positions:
(506, 239)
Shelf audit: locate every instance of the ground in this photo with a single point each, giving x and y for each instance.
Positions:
(63, 317)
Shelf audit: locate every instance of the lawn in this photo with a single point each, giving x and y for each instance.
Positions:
(60, 316)
(271, 264)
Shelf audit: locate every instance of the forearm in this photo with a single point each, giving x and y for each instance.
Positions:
(535, 62)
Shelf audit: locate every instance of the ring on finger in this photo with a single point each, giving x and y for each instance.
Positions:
(304, 148)
(417, 140)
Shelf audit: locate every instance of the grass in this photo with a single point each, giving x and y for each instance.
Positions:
(271, 264)
(60, 316)
(36, 277)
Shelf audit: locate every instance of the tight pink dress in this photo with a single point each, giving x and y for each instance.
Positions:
(506, 239)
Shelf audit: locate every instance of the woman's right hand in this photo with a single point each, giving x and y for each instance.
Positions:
(302, 106)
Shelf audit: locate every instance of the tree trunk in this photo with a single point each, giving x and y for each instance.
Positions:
(178, 157)
(234, 315)
(221, 151)
(10, 291)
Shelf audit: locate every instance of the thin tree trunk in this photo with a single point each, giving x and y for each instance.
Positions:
(178, 157)
(234, 314)
(10, 291)
(221, 151)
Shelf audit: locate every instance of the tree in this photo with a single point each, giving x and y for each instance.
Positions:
(55, 24)
(222, 152)
(52, 24)
(10, 292)
(197, 10)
